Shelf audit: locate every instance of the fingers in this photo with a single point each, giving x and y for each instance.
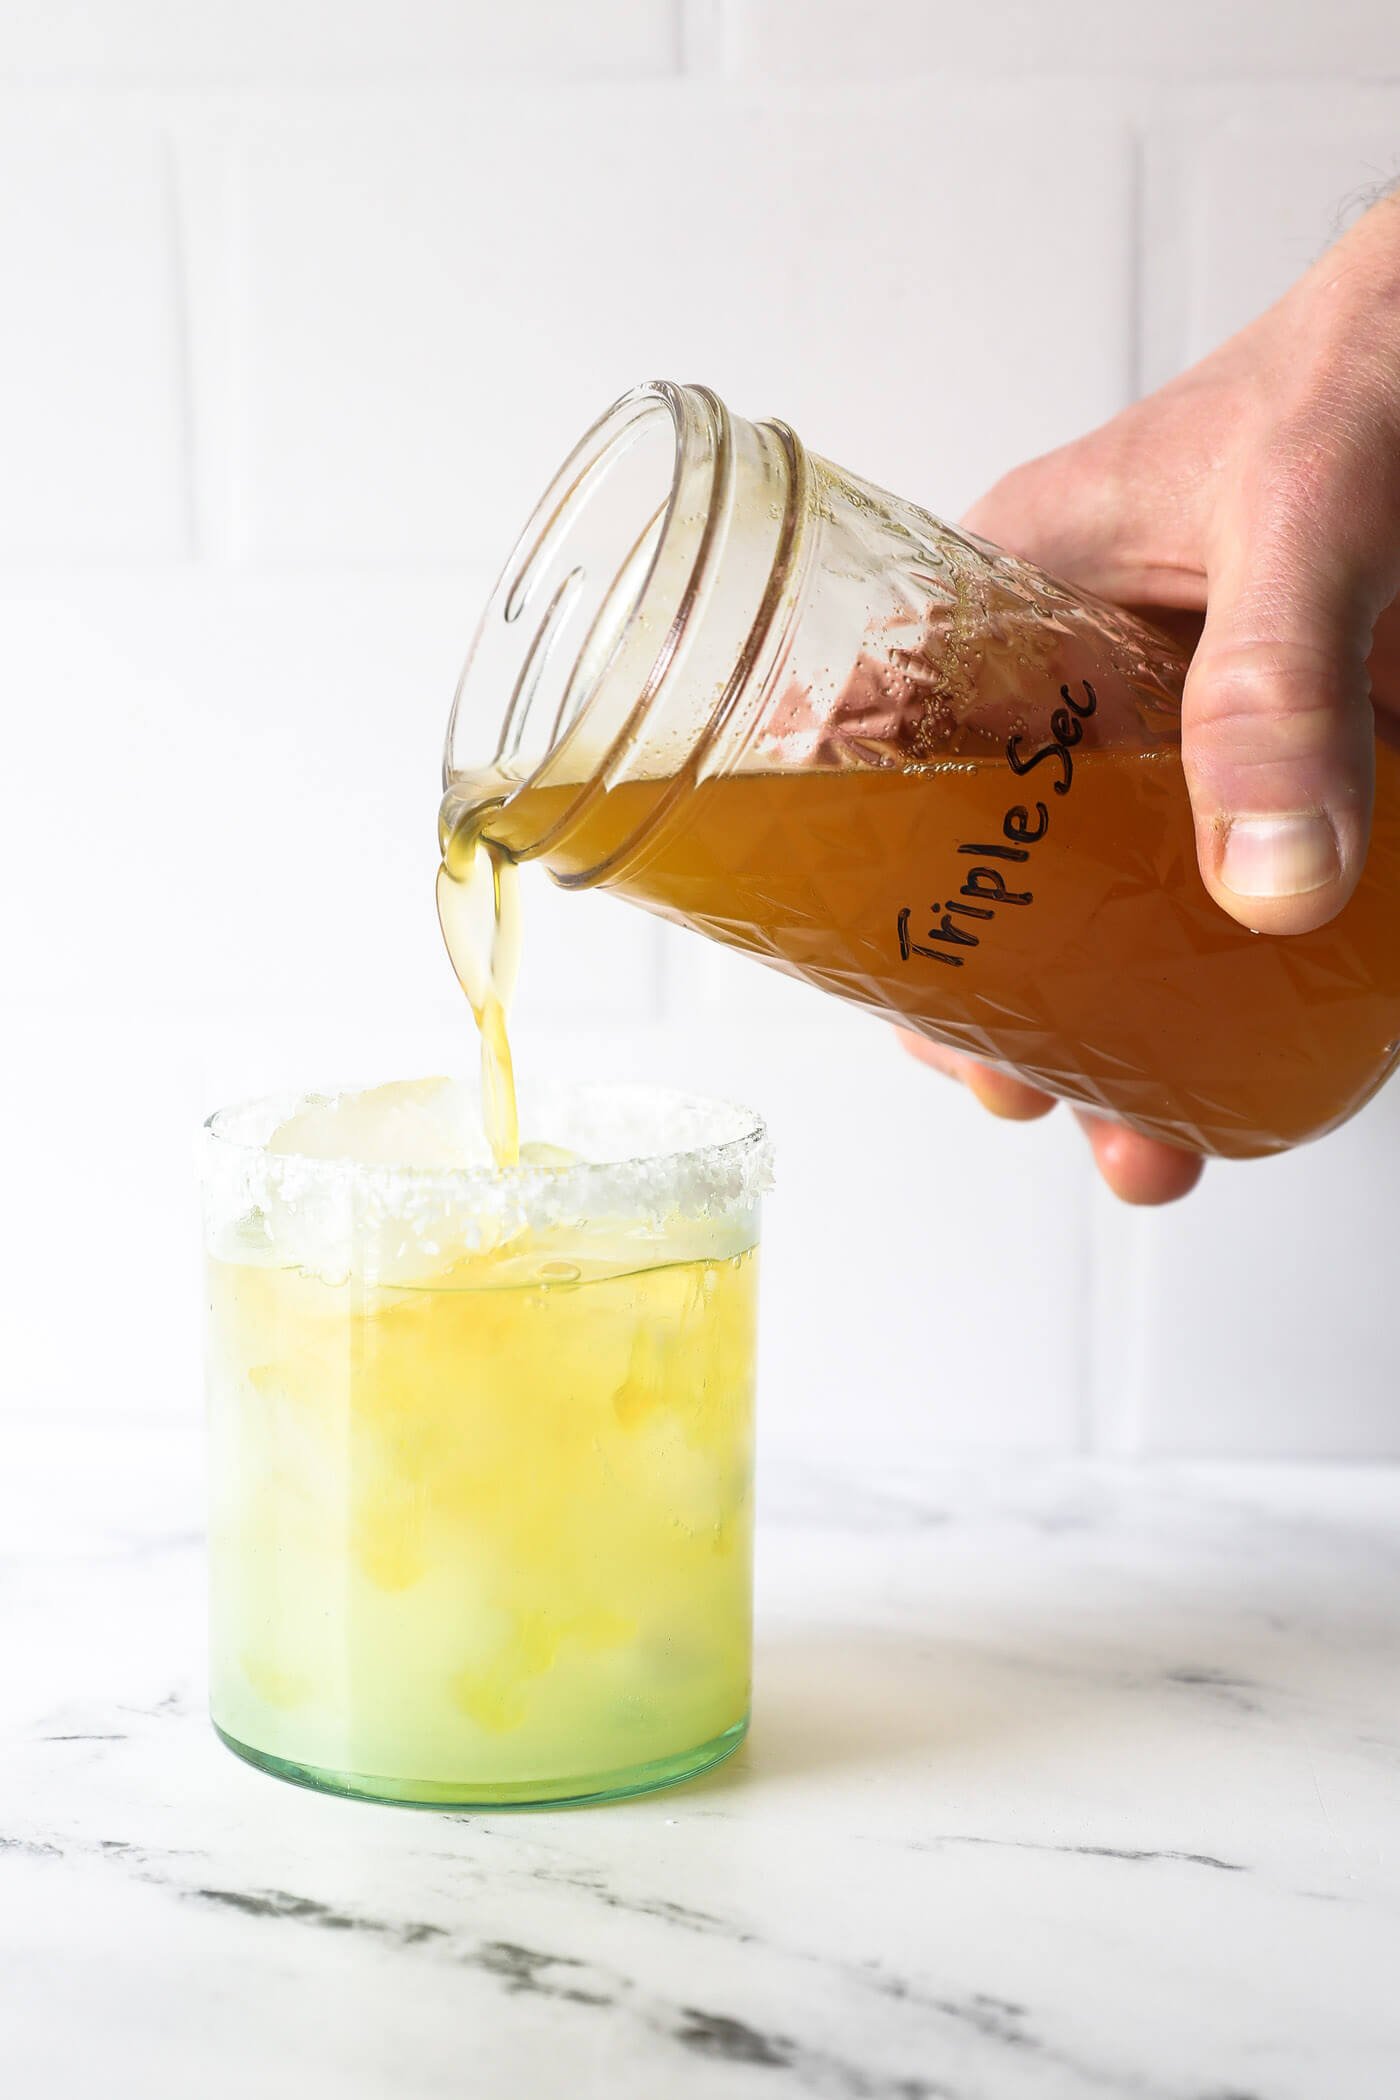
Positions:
(1277, 728)
(1138, 1169)
(1000, 1092)
(1056, 512)
(1113, 512)
(1003, 1094)
(1283, 516)
(1278, 747)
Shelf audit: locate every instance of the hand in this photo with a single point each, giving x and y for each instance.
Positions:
(1251, 508)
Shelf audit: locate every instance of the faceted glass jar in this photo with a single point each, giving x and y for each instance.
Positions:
(747, 690)
(481, 1451)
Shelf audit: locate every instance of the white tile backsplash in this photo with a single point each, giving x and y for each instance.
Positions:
(1244, 185)
(247, 769)
(1267, 195)
(228, 785)
(305, 305)
(320, 41)
(1196, 39)
(92, 385)
(1258, 1318)
(433, 310)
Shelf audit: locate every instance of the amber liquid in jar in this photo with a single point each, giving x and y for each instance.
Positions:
(1090, 958)
(747, 690)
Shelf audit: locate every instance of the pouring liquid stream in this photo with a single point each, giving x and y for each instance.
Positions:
(478, 902)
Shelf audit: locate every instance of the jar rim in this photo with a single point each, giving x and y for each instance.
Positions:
(694, 413)
(588, 750)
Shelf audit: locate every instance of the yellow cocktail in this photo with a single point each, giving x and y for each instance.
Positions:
(482, 1444)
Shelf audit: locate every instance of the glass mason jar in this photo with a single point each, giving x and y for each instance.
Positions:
(749, 691)
(481, 1449)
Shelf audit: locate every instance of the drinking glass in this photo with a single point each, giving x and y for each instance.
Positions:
(482, 1447)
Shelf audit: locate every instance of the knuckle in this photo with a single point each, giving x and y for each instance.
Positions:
(1268, 700)
(1009, 505)
(1327, 469)
(1060, 509)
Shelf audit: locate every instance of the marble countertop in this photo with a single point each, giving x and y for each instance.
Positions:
(1064, 1782)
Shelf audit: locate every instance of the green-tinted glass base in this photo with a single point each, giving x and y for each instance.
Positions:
(573, 1791)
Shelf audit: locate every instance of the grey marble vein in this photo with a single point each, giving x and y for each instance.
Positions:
(1137, 1853)
(1066, 1783)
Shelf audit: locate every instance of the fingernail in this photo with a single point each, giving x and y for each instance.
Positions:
(1282, 856)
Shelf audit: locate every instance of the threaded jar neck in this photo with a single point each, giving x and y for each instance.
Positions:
(636, 624)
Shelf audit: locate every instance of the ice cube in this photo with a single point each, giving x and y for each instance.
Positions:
(408, 1123)
(552, 1159)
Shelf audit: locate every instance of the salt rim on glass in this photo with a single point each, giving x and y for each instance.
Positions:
(642, 1163)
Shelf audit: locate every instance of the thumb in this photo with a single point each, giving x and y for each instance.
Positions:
(1278, 737)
